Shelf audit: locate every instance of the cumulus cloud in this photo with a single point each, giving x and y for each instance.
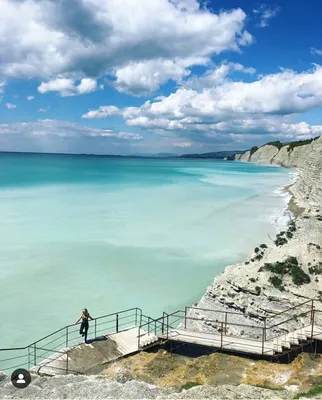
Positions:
(76, 39)
(67, 87)
(265, 13)
(10, 106)
(144, 77)
(216, 103)
(30, 98)
(315, 51)
(217, 75)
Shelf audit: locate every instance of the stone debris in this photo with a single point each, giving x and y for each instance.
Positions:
(98, 387)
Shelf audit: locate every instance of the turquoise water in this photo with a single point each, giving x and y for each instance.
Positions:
(114, 233)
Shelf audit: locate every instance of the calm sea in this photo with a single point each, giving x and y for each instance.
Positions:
(114, 233)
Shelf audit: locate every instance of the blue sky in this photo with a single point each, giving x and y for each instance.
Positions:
(124, 77)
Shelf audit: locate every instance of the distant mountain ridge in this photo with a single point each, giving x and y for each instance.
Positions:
(218, 155)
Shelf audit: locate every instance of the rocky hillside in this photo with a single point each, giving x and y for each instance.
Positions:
(285, 271)
(305, 155)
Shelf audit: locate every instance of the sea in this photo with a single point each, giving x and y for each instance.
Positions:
(111, 233)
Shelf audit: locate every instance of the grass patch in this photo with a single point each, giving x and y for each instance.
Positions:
(189, 385)
(310, 393)
(268, 387)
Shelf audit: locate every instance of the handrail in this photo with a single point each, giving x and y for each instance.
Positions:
(292, 308)
(66, 327)
(209, 309)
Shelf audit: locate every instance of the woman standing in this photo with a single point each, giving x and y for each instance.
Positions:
(84, 325)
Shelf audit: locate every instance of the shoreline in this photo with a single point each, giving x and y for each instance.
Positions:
(245, 288)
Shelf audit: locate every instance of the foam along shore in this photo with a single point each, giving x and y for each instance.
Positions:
(287, 270)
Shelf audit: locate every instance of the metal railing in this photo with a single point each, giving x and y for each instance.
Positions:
(263, 335)
(60, 342)
(65, 338)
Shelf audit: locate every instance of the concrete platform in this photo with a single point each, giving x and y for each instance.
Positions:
(84, 358)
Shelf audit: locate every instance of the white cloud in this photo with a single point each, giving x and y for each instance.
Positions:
(142, 78)
(215, 103)
(30, 98)
(51, 127)
(75, 39)
(41, 110)
(217, 75)
(10, 106)
(67, 87)
(315, 51)
(265, 13)
(2, 85)
(46, 135)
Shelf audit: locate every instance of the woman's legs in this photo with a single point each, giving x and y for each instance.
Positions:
(86, 330)
(81, 329)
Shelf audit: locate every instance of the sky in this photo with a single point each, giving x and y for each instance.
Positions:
(151, 76)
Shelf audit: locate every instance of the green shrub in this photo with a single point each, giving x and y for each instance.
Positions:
(263, 246)
(310, 393)
(299, 277)
(298, 143)
(276, 282)
(277, 144)
(289, 267)
(189, 385)
(253, 149)
(316, 269)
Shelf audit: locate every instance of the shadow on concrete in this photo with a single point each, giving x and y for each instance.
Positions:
(97, 339)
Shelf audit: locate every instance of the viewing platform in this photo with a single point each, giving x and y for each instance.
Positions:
(127, 332)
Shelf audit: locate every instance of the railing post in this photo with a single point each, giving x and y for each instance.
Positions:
(66, 336)
(312, 321)
(136, 317)
(95, 327)
(312, 307)
(139, 333)
(28, 357)
(226, 323)
(149, 325)
(155, 327)
(66, 362)
(117, 323)
(162, 325)
(185, 318)
(263, 340)
(265, 329)
(167, 326)
(221, 334)
(35, 355)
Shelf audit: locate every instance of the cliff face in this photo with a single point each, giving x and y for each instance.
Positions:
(307, 157)
(261, 286)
